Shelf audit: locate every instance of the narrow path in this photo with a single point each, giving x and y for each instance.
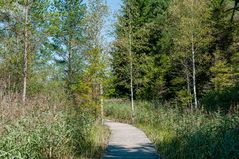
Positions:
(128, 142)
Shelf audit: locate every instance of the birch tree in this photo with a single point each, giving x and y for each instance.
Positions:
(193, 32)
(131, 62)
(124, 59)
(96, 51)
(150, 63)
(91, 83)
(25, 62)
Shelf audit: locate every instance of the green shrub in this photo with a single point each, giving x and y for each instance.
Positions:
(221, 100)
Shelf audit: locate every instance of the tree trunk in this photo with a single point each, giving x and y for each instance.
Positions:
(25, 54)
(189, 91)
(102, 103)
(131, 86)
(131, 68)
(69, 60)
(194, 75)
(69, 69)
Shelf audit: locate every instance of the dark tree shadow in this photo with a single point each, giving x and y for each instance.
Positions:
(143, 151)
(207, 143)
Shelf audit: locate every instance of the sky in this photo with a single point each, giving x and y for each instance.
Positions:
(114, 6)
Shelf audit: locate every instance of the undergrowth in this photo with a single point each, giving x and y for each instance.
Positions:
(52, 134)
(183, 134)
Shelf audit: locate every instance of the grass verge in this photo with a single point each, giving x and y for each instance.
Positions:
(184, 134)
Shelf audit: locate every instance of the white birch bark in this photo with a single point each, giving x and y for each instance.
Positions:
(189, 90)
(131, 67)
(194, 75)
(102, 103)
(193, 58)
(25, 64)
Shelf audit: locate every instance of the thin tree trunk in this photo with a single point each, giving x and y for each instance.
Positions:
(189, 91)
(25, 54)
(194, 75)
(131, 86)
(69, 63)
(102, 103)
(131, 68)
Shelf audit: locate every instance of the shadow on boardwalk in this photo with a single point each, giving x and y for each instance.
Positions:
(143, 151)
(128, 142)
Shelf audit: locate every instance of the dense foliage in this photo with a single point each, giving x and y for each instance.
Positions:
(169, 40)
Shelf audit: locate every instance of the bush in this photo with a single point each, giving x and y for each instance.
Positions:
(222, 100)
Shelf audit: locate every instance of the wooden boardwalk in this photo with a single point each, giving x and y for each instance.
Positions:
(128, 142)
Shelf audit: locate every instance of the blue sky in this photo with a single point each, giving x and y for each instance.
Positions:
(114, 6)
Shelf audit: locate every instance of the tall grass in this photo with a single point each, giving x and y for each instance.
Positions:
(118, 110)
(184, 134)
(45, 129)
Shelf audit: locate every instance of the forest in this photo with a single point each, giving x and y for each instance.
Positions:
(171, 70)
